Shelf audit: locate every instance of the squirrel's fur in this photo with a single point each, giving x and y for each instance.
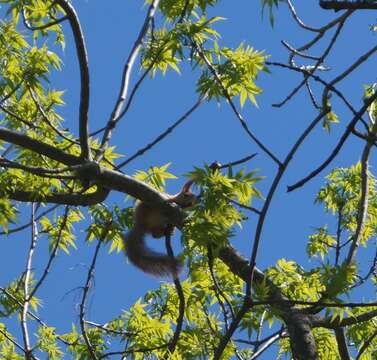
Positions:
(148, 219)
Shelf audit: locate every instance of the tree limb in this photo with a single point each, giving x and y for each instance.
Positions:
(82, 57)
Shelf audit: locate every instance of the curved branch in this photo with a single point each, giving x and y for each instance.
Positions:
(162, 135)
(82, 57)
(115, 115)
(340, 144)
(240, 118)
(41, 27)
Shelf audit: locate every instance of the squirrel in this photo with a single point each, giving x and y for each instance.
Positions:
(148, 219)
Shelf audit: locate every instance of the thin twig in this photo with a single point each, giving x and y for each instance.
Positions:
(229, 333)
(160, 137)
(318, 63)
(219, 291)
(271, 192)
(232, 105)
(15, 343)
(237, 162)
(267, 344)
(47, 120)
(52, 255)
(107, 330)
(114, 118)
(338, 147)
(87, 287)
(365, 346)
(25, 226)
(41, 27)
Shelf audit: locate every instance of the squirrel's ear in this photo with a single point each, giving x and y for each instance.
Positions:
(186, 187)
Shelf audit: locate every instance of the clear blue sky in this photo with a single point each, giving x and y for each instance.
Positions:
(211, 133)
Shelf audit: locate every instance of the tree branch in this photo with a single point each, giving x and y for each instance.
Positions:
(39, 147)
(319, 321)
(181, 305)
(343, 5)
(342, 344)
(115, 115)
(82, 57)
(338, 147)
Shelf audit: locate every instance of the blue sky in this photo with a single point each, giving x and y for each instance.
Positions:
(211, 133)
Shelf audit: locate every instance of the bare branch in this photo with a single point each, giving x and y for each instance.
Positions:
(15, 343)
(162, 135)
(317, 64)
(267, 344)
(87, 287)
(237, 162)
(229, 333)
(342, 344)
(338, 147)
(41, 27)
(27, 278)
(82, 57)
(39, 147)
(366, 345)
(115, 115)
(52, 255)
(173, 342)
(319, 321)
(362, 211)
(47, 120)
(233, 106)
(344, 4)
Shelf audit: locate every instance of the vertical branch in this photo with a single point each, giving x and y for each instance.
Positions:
(52, 255)
(338, 235)
(173, 343)
(342, 344)
(82, 57)
(87, 287)
(25, 307)
(232, 328)
(362, 212)
(116, 113)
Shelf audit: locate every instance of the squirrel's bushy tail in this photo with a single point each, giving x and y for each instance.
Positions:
(147, 259)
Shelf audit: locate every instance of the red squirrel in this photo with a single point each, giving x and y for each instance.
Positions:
(149, 220)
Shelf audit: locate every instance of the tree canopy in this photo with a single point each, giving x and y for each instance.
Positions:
(68, 179)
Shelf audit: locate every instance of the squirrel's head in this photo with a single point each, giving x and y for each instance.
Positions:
(185, 198)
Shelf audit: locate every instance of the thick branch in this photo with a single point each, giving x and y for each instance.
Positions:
(39, 147)
(82, 57)
(318, 321)
(298, 324)
(65, 199)
(344, 5)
